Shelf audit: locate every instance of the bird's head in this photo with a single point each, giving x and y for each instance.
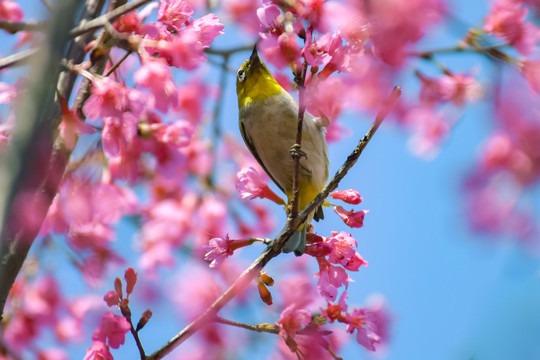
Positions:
(254, 82)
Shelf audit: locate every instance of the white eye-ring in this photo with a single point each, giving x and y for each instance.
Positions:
(241, 75)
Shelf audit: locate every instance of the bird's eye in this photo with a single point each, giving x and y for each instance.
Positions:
(241, 75)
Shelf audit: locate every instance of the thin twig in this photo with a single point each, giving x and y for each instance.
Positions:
(99, 54)
(47, 5)
(127, 316)
(107, 18)
(230, 51)
(297, 147)
(258, 328)
(16, 26)
(216, 121)
(267, 328)
(118, 63)
(473, 48)
(18, 59)
(275, 248)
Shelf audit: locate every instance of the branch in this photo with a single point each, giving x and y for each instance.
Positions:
(275, 248)
(32, 168)
(14, 27)
(99, 54)
(229, 52)
(126, 312)
(20, 58)
(267, 328)
(106, 18)
(27, 183)
(296, 151)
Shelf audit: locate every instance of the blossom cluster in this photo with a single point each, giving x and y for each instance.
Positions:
(113, 328)
(38, 307)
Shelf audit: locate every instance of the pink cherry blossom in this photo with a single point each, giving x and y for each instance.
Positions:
(263, 224)
(177, 134)
(244, 13)
(349, 196)
(280, 50)
(363, 321)
(134, 21)
(42, 300)
(291, 320)
(337, 312)
(191, 97)
(117, 133)
(500, 153)
(507, 20)
(52, 354)
(98, 351)
(212, 214)
(82, 202)
(268, 16)
(430, 93)
(250, 185)
(20, 333)
(113, 329)
(208, 27)
(279, 43)
(325, 99)
(184, 51)
(111, 298)
(354, 219)
(430, 129)
(10, 10)
(8, 92)
(166, 225)
(377, 305)
(367, 83)
(316, 52)
(393, 33)
(108, 98)
(347, 18)
(160, 254)
(156, 76)
(174, 13)
(331, 278)
(38, 306)
(299, 291)
(312, 345)
(129, 23)
(531, 70)
(127, 166)
(217, 250)
(71, 125)
(195, 282)
(342, 252)
(459, 88)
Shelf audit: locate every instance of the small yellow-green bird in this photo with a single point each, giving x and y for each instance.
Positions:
(268, 123)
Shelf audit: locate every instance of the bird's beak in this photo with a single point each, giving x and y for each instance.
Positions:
(254, 55)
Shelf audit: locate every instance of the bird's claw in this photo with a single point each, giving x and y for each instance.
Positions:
(296, 151)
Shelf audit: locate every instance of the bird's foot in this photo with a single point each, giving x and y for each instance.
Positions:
(296, 151)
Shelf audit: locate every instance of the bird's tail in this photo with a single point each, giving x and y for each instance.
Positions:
(297, 242)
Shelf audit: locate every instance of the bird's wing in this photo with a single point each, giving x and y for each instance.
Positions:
(253, 151)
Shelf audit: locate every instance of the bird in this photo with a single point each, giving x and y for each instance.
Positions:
(268, 120)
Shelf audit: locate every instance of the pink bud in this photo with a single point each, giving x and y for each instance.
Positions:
(131, 278)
